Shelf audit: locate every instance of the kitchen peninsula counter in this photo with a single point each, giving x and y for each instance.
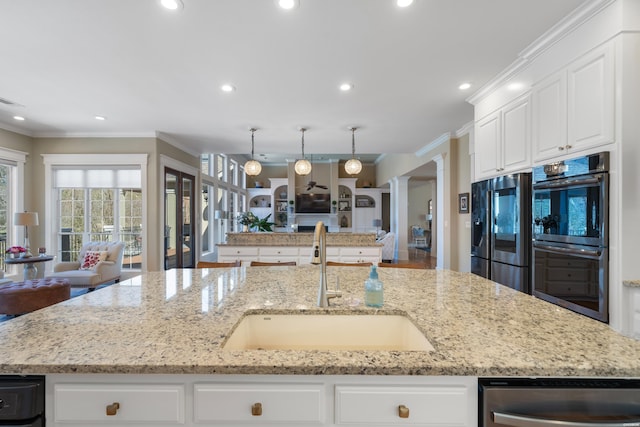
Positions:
(175, 322)
(298, 239)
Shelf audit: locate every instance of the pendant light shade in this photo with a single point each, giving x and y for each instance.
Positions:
(302, 166)
(353, 166)
(252, 167)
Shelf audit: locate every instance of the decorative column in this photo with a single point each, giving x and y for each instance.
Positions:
(399, 213)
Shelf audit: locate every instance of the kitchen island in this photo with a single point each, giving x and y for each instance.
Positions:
(175, 322)
(149, 350)
(296, 247)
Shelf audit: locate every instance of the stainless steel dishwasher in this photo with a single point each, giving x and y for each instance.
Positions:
(22, 401)
(558, 402)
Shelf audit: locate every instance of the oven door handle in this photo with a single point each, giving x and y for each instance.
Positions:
(568, 182)
(525, 421)
(585, 253)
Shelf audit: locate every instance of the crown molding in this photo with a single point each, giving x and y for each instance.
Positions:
(433, 144)
(179, 145)
(564, 27)
(466, 128)
(11, 128)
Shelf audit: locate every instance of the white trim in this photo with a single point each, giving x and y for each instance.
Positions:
(169, 162)
(51, 160)
(433, 144)
(94, 135)
(172, 141)
(16, 201)
(11, 128)
(562, 29)
(440, 219)
(466, 128)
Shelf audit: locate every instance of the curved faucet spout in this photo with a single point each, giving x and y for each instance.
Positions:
(319, 256)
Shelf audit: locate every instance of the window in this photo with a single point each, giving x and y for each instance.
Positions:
(11, 200)
(96, 201)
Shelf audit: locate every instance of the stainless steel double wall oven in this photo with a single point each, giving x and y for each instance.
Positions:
(570, 234)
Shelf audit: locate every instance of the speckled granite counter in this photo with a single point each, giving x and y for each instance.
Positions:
(176, 321)
(632, 283)
(299, 239)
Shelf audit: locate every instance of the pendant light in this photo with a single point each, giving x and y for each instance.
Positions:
(303, 166)
(252, 167)
(353, 165)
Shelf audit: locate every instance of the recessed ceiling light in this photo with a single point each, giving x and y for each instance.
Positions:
(346, 87)
(172, 4)
(227, 88)
(515, 86)
(102, 118)
(288, 4)
(19, 118)
(404, 3)
(464, 86)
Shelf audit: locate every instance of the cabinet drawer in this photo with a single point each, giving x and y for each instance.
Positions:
(280, 403)
(232, 251)
(360, 251)
(278, 251)
(379, 405)
(138, 403)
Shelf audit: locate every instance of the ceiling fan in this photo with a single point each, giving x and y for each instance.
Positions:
(313, 184)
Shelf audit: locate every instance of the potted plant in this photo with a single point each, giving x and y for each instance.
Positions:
(333, 207)
(262, 224)
(16, 251)
(246, 219)
(291, 207)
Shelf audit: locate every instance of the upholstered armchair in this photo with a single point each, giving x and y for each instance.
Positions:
(388, 246)
(98, 263)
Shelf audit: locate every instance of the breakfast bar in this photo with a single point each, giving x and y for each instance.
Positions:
(177, 321)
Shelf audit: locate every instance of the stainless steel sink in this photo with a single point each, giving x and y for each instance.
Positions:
(326, 332)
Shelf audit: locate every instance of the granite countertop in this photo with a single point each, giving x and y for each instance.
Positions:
(175, 322)
(299, 239)
(632, 283)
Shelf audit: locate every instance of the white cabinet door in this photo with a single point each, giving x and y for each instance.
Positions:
(144, 404)
(487, 141)
(549, 101)
(259, 404)
(233, 253)
(278, 254)
(402, 405)
(591, 100)
(573, 110)
(516, 135)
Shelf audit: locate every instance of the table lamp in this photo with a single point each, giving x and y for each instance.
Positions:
(27, 219)
(377, 223)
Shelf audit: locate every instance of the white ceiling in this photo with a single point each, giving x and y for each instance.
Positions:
(149, 70)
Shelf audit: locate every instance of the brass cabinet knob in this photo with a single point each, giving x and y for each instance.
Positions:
(256, 409)
(113, 408)
(403, 411)
(561, 148)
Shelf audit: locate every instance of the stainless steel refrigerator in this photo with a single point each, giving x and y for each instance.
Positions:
(481, 228)
(501, 230)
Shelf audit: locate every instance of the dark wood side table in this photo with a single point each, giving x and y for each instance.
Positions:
(30, 270)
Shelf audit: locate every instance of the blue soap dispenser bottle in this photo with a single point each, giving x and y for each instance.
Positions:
(373, 290)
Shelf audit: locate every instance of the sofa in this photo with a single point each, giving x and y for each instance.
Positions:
(388, 241)
(98, 263)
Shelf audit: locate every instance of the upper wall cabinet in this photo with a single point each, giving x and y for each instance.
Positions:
(573, 110)
(502, 140)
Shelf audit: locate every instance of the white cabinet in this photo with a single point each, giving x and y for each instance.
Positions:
(502, 140)
(259, 404)
(118, 404)
(573, 110)
(184, 400)
(300, 254)
(431, 405)
(233, 253)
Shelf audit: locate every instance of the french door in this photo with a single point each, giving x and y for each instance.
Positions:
(179, 219)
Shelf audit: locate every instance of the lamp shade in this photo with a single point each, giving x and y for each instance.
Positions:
(25, 218)
(377, 223)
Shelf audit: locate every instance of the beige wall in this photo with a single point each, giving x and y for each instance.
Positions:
(460, 223)
(277, 171)
(34, 174)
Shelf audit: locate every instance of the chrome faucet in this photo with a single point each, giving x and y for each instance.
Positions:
(319, 256)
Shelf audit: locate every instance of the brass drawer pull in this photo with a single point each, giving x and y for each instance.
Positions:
(403, 411)
(113, 408)
(256, 409)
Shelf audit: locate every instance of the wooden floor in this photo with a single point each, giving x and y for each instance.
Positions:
(417, 256)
